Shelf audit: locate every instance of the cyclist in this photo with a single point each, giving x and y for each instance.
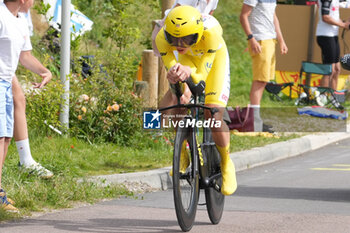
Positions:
(202, 56)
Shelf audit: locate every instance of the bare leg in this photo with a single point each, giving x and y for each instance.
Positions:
(21, 132)
(2, 156)
(168, 100)
(334, 76)
(20, 120)
(256, 93)
(6, 146)
(325, 81)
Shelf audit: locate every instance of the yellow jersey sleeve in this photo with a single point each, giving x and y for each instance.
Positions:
(202, 56)
(165, 50)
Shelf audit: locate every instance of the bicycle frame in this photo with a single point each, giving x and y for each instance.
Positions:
(203, 172)
(205, 180)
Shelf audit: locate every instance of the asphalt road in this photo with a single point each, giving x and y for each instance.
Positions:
(307, 193)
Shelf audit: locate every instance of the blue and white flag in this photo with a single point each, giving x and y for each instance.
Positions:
(79, 22)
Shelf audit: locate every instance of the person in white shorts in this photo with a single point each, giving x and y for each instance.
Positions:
(15, 46)
(26, 161)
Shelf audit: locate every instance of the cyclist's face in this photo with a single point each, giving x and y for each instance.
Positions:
(182, 50)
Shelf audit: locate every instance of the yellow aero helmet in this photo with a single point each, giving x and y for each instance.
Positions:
(183, 27)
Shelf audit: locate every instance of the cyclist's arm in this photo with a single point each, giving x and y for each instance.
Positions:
(165, 50)
(201, 72)
(201, 68)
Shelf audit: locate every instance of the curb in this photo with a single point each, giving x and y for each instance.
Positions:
(160, 179)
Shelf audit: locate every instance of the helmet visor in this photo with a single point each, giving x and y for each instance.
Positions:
(183, 42)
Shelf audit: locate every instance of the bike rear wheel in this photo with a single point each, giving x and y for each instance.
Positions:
(214, 199)
(185, 185)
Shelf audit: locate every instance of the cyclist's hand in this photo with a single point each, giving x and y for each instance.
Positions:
(178, 73)
(171, 75)
(256, 47)
(183, 72)
(186, 96)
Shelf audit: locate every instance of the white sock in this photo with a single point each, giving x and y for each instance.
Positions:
(25, 157)
(258, 123)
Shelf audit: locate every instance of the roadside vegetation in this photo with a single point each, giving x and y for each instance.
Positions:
(105, 134)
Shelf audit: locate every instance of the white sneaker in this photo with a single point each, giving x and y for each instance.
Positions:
(321, 100)
(37, 169)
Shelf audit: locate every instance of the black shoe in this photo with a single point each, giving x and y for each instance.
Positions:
(267, 128)
(336, 103)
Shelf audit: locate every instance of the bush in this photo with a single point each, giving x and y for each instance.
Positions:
(103, 106)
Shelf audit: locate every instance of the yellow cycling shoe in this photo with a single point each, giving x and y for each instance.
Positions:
(229, 182)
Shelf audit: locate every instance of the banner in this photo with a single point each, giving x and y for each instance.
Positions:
(79, 22)
(315, 80)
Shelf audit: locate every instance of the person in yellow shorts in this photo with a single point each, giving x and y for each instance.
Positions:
(260, 23)
(202, 55)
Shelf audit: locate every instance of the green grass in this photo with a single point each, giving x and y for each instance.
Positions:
(71, 159)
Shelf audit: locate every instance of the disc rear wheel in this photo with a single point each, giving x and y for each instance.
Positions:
(215, 200)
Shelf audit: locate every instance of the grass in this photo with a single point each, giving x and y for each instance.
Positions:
(71, 159)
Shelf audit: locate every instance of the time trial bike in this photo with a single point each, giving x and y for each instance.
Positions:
(203, 171)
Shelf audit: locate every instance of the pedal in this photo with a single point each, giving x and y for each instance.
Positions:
(216, 186)
(202, 204)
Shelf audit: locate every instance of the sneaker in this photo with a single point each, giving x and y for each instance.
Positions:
(267, 128)
(321, 100)
(37, 169)
(6, 205)
(3, 193)
(335, 103)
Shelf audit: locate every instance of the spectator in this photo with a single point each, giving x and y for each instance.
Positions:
(15, 46)
(27, 163)
(327, 38)
(205, 7)
(261, 25)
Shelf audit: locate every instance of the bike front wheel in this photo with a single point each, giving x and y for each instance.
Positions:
(185, 183)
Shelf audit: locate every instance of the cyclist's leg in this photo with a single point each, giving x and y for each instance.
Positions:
(221, 138)
(168, 100)
(217, 92)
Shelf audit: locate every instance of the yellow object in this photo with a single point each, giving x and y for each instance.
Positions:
(139, 72)
(184, 21)
(184, 159)
(264, 63)
(208, 60)
(315, 80)
(254, 134)
(228, 171)
(7, 206)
